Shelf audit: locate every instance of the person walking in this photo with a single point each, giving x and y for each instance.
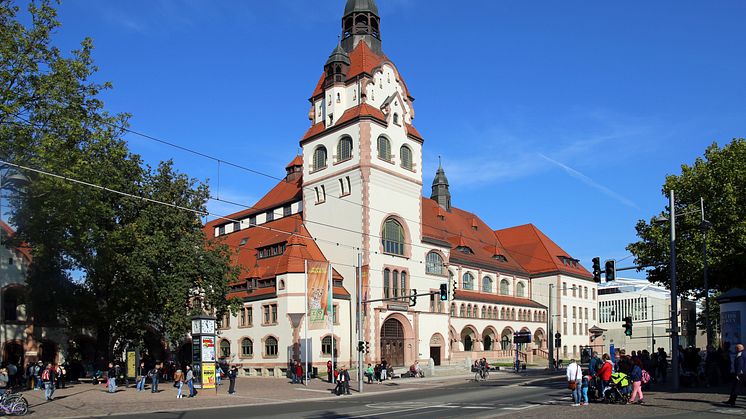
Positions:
(143, 375)
(154, 378)
(384, 369)
(190, 380)
(179, 382)
(12, 372)
(329, 370)
(232, 374)
(111, 378)
(294, 373)
(739, 369)
(346, 376)
(574, 381)
(48, 378)
(636, 377)
(604, 373)
(369, 373)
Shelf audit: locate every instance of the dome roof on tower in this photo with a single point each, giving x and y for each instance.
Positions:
(353, 6)
(339, 55)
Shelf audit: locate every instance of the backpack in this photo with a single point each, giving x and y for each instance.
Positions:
(45, 375)
(645, 377)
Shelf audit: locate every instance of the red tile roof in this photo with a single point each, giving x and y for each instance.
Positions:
(362, 61)
(297, 161)
(23, 248)
(457, 228)
(495, 298)
(351, 114)
(538, 253)
(412, 132)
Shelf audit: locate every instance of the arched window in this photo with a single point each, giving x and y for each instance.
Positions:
(384, 148)
(386, 283)
(225, 348)
(512, 314)
(392, 237)
(405, 154)
(319, 158)
(434, 264)
(504, 287)
(403, 284)
(484, 313)
(396, 118)
(344, 149)
(247, 347)
(270, 346)
(520, 290)
(395, 284)
(462, 311)
(502, 313)
(468, 281)
(487, 284)
(326, 345)
(453, 309)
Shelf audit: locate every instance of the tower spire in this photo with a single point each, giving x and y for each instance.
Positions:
(361, 22)
(440, 192)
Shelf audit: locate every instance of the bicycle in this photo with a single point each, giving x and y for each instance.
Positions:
(481, 374)
(15, 406)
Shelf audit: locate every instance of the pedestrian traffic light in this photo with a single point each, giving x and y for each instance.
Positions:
(360, 346)
(610, 269)
(367, 347)
(443, 292)
(596, 269)
(627, 326)
(557, 340)
(413, 298)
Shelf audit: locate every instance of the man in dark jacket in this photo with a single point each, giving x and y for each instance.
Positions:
(154, 379)
(739, 369)
(232, 373)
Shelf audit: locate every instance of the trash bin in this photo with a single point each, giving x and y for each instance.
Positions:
(315, 372)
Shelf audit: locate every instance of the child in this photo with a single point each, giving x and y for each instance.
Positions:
(585, 384)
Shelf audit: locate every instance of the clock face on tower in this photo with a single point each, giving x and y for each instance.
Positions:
(208, 327)
(195, 327)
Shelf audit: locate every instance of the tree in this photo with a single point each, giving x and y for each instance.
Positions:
(719, 177)
(116, 264)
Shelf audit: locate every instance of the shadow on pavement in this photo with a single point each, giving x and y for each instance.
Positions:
(328, 415)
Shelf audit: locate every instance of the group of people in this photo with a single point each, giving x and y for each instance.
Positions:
(481, 366)
(181, 378)
(626, 376)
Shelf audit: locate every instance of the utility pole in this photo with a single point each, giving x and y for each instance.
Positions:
(360, 333)
(550, 320)
(674, 298)
(705, 227)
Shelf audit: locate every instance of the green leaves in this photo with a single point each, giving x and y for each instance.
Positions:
(719, 177)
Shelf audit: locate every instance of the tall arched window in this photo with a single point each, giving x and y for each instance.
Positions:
(386, 283)
(395, 284)
(484, 313)
(326, 345)
(403, 284)
(434, 264)
(406, 157)
(270, 346)
(225, 348)
(502, 314)
(319, 158)
(247, 347)
(520, 290)
(468, 281)
(344, 149)
(487, 284)
(384, 148)
(392, 237)
(453, 309)
(462, 311)
(504, 287)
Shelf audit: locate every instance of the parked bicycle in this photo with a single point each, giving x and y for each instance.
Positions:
(13, 404)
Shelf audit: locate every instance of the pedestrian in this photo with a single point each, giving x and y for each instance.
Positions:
(299, 372)
(662, 364)
(111, 378)
(585, 385)
(48, 378)
(329, 370)
(12, 372)
(294, 373)
(384, 370)
(739, 369)
(179, 382)
(4, 380)
(604, 373)
(154, 378)
(37, 375)
(190, 381)
(574, 381)
(232, 374)
(346, 377)
(141, 379)
(636, 377)
(218, 374)
(369, 373)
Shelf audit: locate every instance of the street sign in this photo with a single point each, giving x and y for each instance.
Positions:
(522, 337)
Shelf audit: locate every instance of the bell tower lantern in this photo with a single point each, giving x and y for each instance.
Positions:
(361, 23)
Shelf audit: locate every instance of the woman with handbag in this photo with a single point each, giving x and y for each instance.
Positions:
(574, 380)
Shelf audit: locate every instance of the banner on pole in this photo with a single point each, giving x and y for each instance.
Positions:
(317, 274)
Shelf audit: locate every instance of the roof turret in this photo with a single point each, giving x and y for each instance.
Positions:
(440, 192)
(353, 6)
(339, 55)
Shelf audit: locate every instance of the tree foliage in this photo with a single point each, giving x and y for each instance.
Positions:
(101, 260)
(720, 178)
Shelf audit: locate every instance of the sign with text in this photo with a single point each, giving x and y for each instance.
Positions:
(318, 299)
(208, 376)
(208, 349)
(131, 364)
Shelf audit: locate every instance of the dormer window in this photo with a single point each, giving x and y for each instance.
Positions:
(500, 258)
(270, 251)
(465, 249)
(568, 261)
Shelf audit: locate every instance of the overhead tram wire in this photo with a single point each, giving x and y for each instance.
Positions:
(201, 154)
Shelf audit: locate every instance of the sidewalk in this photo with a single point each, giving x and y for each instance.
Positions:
(86, 400)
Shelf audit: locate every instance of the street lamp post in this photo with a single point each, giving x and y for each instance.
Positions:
(706, 226)
(674, 297)
(550, 328)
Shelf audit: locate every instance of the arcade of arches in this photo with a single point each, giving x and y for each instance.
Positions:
(470, 343)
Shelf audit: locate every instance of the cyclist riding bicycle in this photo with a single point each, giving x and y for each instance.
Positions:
(483, 367)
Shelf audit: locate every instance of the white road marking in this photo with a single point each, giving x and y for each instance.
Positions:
(529, 406)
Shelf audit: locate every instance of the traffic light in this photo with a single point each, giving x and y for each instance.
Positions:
(443, 292)
(610, 269)
(557, 340)
(360, 346)
(596, 269)
(367, 347)
(627, 326)
(413, 298)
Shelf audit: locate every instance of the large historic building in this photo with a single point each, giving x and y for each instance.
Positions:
(357, 189)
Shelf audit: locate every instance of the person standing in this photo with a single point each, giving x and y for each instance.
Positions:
(111, 378)
(48, 378)
(190, 380)
(369, 374)
(179, 382)
(12, 372)
(154, 379)
(636, 377)
(329, 370)
(574, 381)
(384, 369)
(604, 373)
(739, 369)
(232, 374)
(143, 375)
(346, 375)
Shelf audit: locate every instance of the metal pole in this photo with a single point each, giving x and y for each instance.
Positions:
(652, 329)
(305, 325)
(674, 299)
(360, 320)
(705, 227)
(550, 321)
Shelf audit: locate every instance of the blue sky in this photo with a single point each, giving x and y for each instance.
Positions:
(568, 115)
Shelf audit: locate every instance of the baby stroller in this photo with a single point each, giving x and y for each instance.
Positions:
(617, 392)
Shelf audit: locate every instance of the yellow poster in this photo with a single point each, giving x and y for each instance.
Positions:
(208, 375)
(131, 364)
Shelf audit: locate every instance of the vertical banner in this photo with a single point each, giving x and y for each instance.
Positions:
(208, 375)
(365, 289)
(317, 274)
(131, 364)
